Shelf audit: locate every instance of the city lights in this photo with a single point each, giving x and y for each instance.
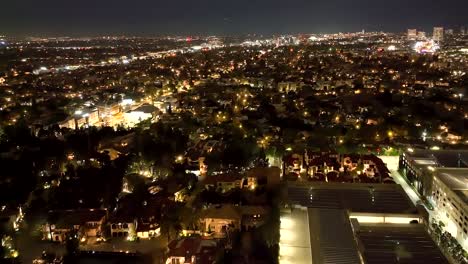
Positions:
(121, 147)
(426, 46)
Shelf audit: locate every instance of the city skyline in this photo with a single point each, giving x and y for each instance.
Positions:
(149, 18)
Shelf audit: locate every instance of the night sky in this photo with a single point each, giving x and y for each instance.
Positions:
(190, 17)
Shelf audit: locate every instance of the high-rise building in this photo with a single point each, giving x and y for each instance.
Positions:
(449, 32)
(412, 33)
(438, 34)
(421, 35)
(462, 30)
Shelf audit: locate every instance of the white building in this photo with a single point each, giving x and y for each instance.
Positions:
(450, 196)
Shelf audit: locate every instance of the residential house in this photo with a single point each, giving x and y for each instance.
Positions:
(270, 176)
(148, 230)
(87, 222)
(223, 182)
(220, 219)
(192, 250)
(122, 226)
(374, 167)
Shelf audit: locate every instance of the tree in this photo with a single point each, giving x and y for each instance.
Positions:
(171, 221)
(190, 218)
(239, 152)
(2, 134)
(270, 229)
(72, 243)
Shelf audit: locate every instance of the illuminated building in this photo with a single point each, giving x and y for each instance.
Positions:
(412, 33)
(450, 195)
(421, 35)
(334, 223)
(442, 177)
(135, 116)
(288, 86)
(438, 34)
(191, 250)
(88, 223)
(426, 46)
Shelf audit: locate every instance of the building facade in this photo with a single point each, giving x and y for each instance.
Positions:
(438, 34)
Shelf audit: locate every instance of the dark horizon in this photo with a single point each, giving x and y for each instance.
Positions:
(210, 17)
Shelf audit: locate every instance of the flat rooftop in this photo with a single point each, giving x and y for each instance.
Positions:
(426, 162)
(331, 237)
(294, 237)
(456, 180)
(363, 198)
(440, 158)
(398, 244)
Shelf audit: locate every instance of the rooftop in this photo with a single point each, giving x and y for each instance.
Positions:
(456, 180)
(441, 158)
(402, 243)
(223, 212)
(68, 218)
(331, 237)
(225, 177)
(368, 198)
(204, 250)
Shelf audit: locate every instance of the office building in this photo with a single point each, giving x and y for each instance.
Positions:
(412, 33)
(438, 34)
(421, 35)
(442, 177)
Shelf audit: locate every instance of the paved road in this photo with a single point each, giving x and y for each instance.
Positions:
(398, 178)
(392, 165)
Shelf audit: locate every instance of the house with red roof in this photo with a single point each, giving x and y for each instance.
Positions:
(192, 250)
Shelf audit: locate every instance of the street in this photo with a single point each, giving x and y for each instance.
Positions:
(392, 165)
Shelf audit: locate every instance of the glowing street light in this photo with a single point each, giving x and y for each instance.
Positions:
(179, 159)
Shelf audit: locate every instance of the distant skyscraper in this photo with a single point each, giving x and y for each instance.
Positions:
(462, 30)
(421, 35)
(449, 32)
(438, 34)
(412, 33)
